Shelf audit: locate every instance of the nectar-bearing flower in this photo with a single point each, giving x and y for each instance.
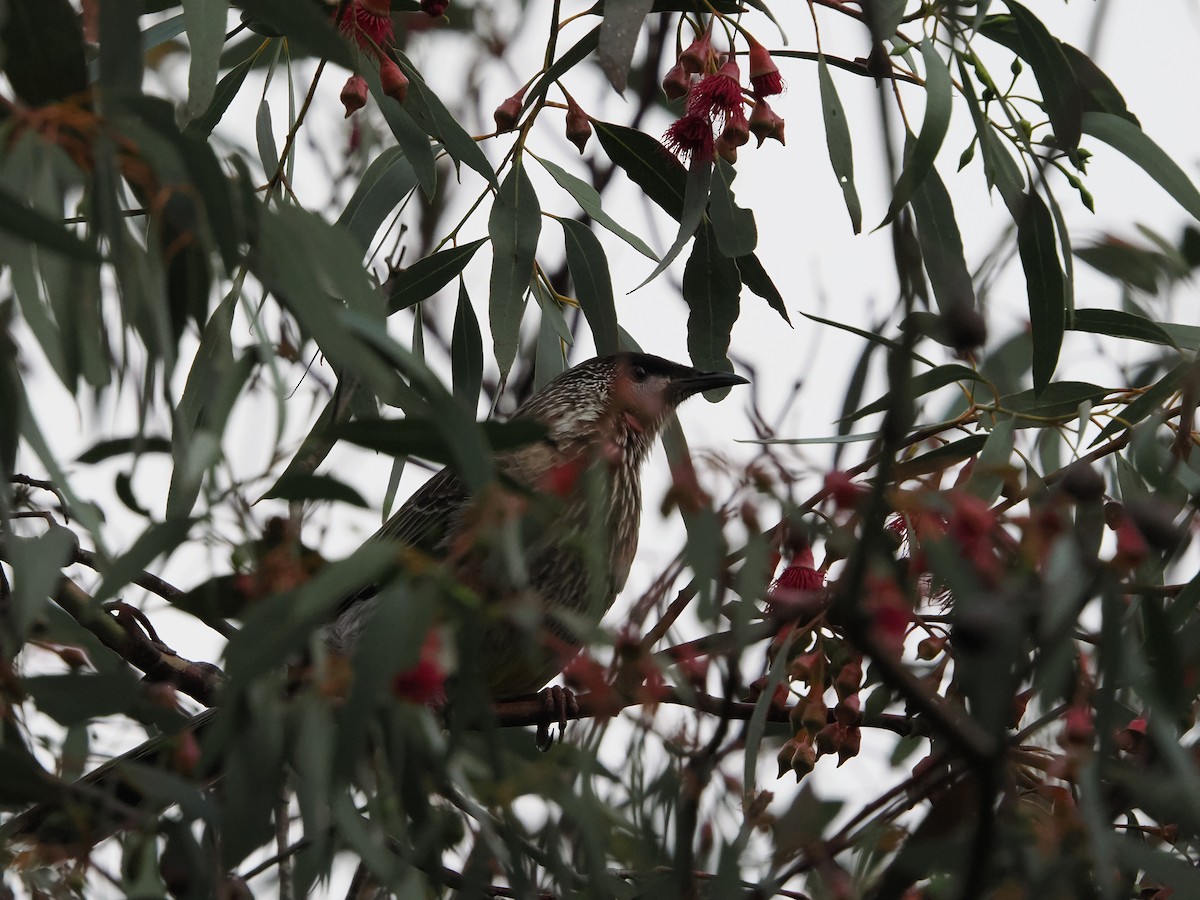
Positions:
(369, 22)
(717, 95)
(691, 137)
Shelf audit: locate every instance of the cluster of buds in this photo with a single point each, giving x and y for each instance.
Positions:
(819, 731)
(369, 24)
(714, 120)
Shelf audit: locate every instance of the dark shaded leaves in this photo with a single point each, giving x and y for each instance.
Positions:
(428, 275)
(712, 289)
(593, 285)
(1045, 284)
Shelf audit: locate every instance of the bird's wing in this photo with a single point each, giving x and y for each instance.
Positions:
(428, 517)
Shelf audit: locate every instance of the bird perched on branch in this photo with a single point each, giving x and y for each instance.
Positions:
(575, 504)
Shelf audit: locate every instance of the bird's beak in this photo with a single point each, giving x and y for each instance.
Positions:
(707, 381)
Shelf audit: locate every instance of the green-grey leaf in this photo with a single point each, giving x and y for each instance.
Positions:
(933, 130)
(31, 225)
(712, 289)
(941, 244)
(155, 541)
(388, 181)
(733, 225)
(922, 384)
(1125, 137)
(837, 138)
(205, 23)
(589, 201)
(514, 226)
(466, 351)
(1118, 323)
(695, 200)
(1046, 286)
(618, 38)
(428, 275)
(1060, 91)
(593, 284)
(314, 487)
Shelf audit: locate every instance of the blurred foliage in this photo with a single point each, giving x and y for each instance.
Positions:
(1007, 582)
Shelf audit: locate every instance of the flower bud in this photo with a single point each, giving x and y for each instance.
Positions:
(726, 149)
(579, 125)
(699, 55)
(508, 113)
(764, 123)
(354, 94)
(676, 82)
(737, 130)
(434, 8)
(393, 81)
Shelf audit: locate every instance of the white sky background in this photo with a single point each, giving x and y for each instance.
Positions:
(805, 243)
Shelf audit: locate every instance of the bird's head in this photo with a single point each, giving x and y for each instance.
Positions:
(626, 397)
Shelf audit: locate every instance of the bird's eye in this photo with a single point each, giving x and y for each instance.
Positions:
(639, 374)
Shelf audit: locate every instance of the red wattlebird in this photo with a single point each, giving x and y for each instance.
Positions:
(580, 513)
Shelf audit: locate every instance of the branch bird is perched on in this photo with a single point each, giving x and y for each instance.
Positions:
(580, 527)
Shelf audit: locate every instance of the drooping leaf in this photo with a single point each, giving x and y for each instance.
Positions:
(120, 71)
(649, 165)
(431, 114)
(31, 225)
(695, 200)
(999, 168)
(227, 88)
(1118, 323)
(987, 474)
(1045, 284)
(466, 351)
(409, 135)
(422, 438)
(1129, 140)
(837, 138)
(43, 51)
(1058, 400)
(205, 21)
(514, 226)
(386, 183)
(593, 285)
(737, 235)
(712, 290)
(1138, 267)
(155, 541)
(309, 25)
(922, 384)
(618, 37)
(755, 277)
(430, 274)
(941, 245)
(137, 443)
(934, 125)
(589, 201)
(582, 49)
(296, 488)
(37, 565)
(1061, 94)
